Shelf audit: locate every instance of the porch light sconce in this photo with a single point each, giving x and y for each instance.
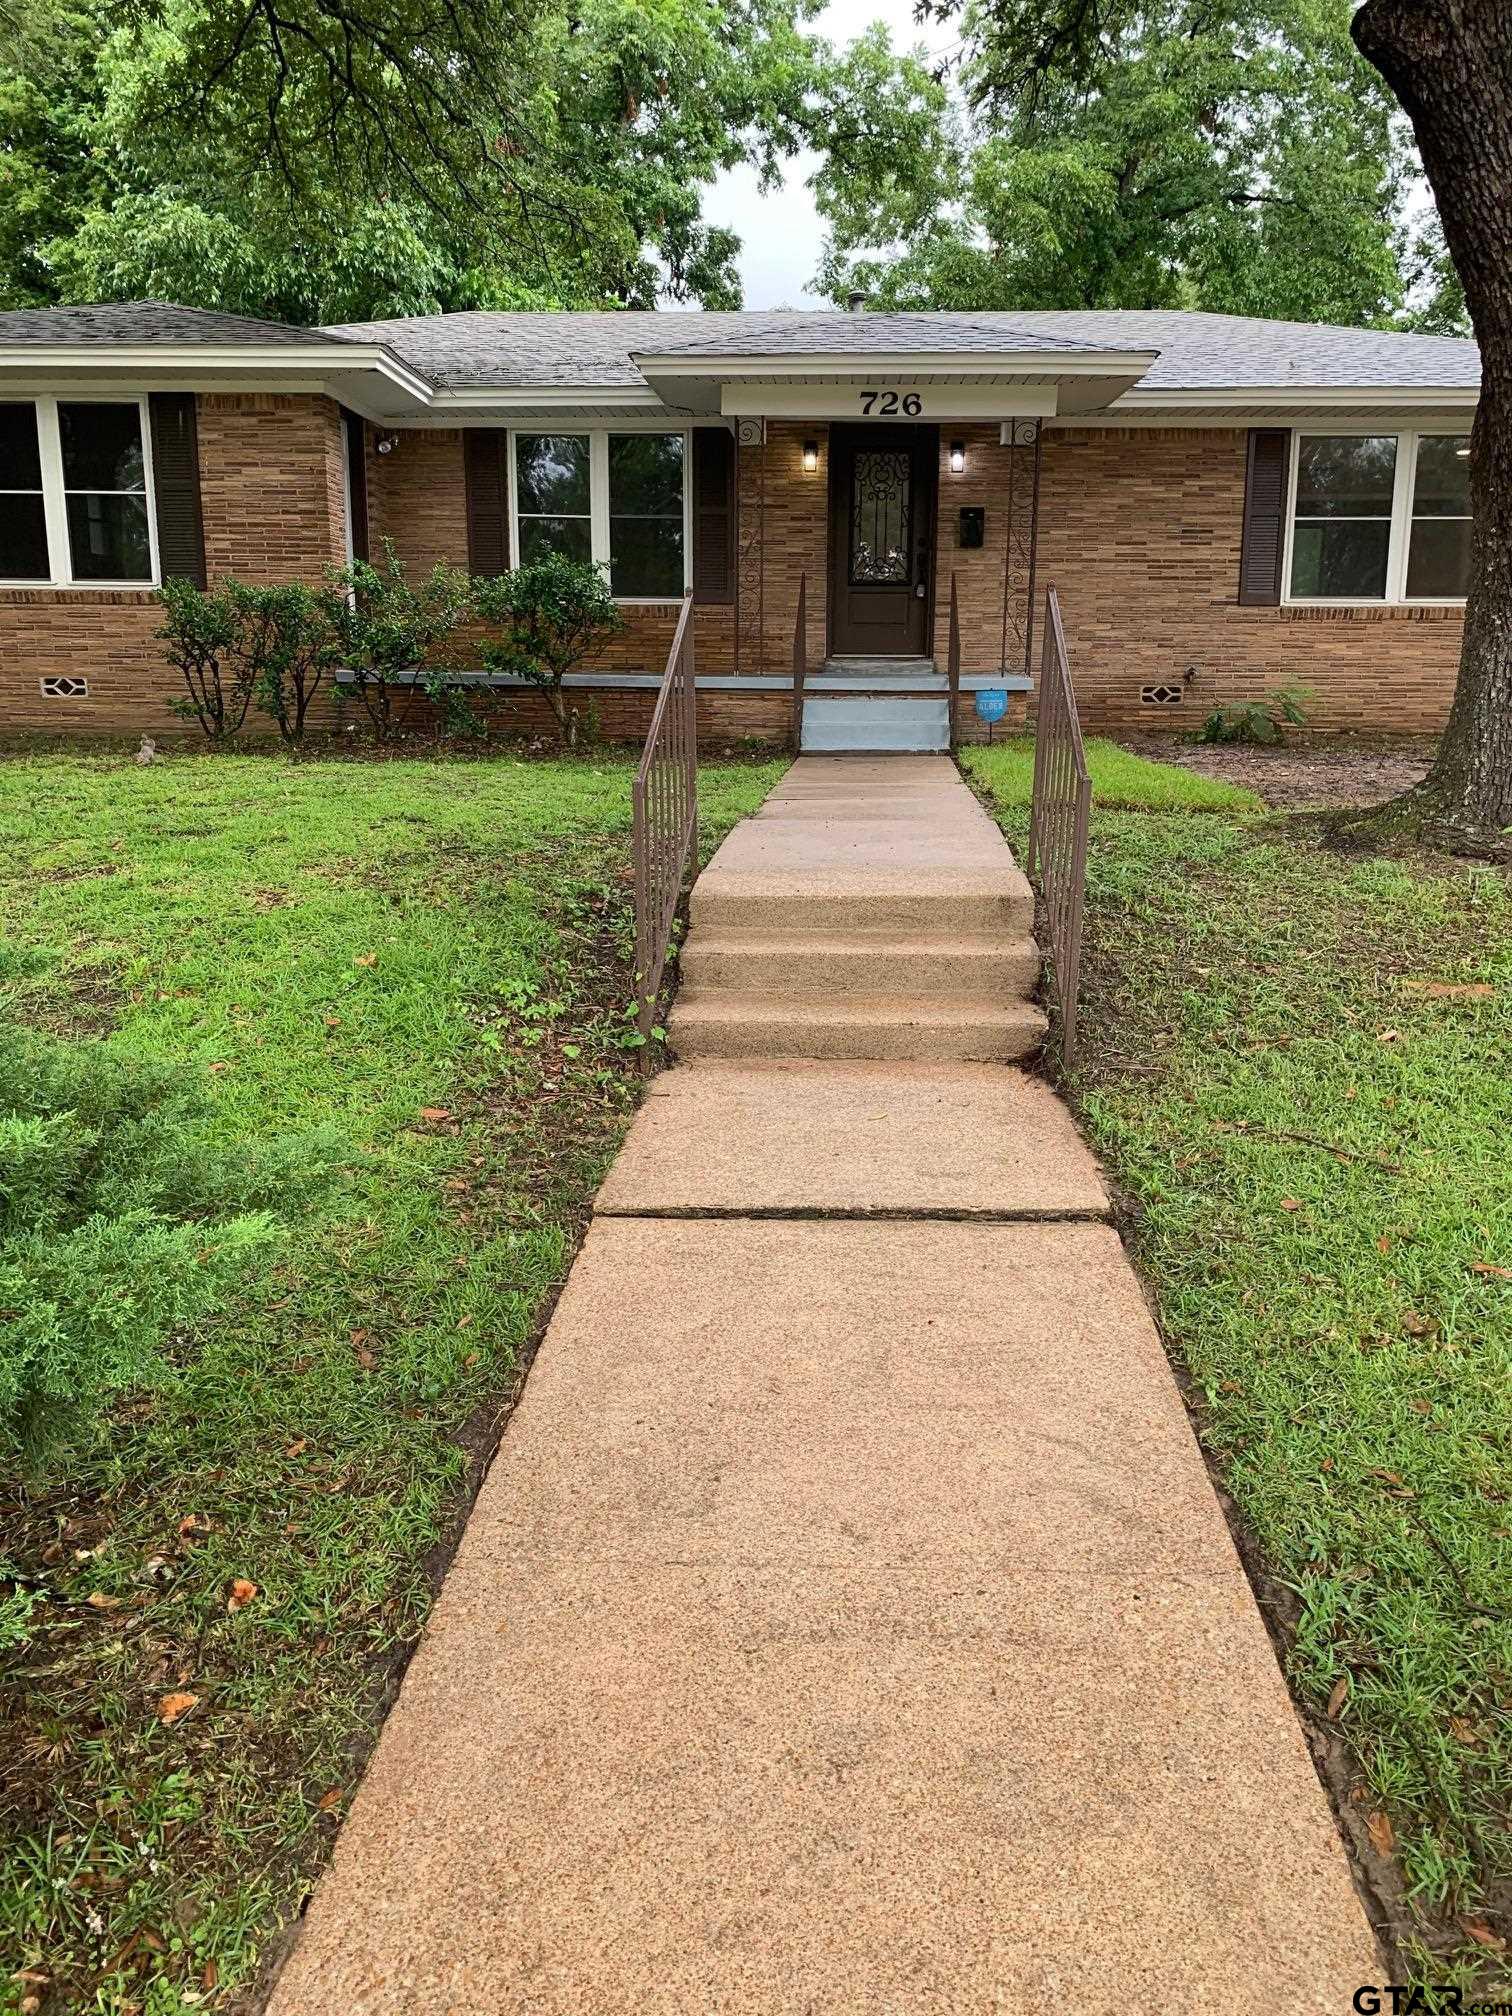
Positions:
(810, 456)
(957, 457)
(387, 443)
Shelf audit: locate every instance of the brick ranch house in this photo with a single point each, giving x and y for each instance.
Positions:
(1225, 506)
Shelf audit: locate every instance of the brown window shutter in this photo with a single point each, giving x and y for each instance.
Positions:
(713, 515)
(356, 450)
(1264, 542)
(487, 499)
(176, 486)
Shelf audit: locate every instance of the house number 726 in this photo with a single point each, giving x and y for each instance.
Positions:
(887, 404)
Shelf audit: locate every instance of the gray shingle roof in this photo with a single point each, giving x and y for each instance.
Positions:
(1198, 351)
(147, 322)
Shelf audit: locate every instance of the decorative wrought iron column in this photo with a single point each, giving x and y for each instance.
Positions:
(750, 546)
(1020, 543)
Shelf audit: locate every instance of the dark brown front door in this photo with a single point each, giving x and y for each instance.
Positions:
(882, 484)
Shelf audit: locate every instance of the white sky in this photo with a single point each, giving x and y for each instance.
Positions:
(782, 234)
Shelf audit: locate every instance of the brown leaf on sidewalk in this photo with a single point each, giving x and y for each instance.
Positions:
(174, 1707)
(1337, 1698)
(1382, 1833)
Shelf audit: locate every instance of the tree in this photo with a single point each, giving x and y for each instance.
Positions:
(1450, 62)
(317, 162)
(1224, 154)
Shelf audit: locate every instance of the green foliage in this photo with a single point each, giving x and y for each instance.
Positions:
(241, 644)
(109, 1254)
(1120, 780)
(285, 642)
(317, 165)
(198, 634)
(1240, 158)
(390, 629)
(554, 613)
(1258, 721)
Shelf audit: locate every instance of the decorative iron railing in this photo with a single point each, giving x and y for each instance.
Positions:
(664, 829)
(800, 663)
(953, 663)
(1058, 820)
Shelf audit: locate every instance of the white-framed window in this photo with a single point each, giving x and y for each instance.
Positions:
(618, 497)
(1379, 517)
(76, 506)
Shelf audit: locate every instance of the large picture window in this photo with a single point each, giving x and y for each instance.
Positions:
(618, 499)
(75, 493)
(1380, 518)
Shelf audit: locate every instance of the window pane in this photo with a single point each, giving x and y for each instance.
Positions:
(539, 537)
(551, 473)
(1441, 488)
(1342, 559)
(102, 446)
(1345, 475)
(646, 556)
(1438, 560)
(107, 538)
(646, 476)
(23, 537)
(20, 464)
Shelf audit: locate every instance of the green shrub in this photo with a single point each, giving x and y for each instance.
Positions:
(118, 1231)
(393, 636)
(198, 633)
(1258, 721)
(284, 642)
(553, 614)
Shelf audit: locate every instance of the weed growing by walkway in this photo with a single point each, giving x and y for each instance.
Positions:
(375, 1010)
(1296, 1067)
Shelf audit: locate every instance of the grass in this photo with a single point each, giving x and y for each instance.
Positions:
(403, 983)
(1120, 780)
(1295, 1065)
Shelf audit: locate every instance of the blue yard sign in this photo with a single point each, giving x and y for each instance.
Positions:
(991, 706)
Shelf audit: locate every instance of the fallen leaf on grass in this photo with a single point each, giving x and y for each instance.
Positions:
(1478, 1930)
(435, 1113)
(1382, 1833)
(1417, 1326)
(98, 1600)
(1388, 1035)
(366, 1359)
(297, 1447)
(242, 1593)
(173, 1707)
(1291, 1203)
(1495, 1273)
(366, 959)
(1463, 1731)
(1337, 1698)
(330, 1800)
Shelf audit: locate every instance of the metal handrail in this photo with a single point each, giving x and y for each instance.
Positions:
(664, 822)
(800, 663)
(953, 661)
(1059, 818)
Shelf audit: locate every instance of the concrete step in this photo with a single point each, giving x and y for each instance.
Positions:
(754, 1025)
(862, 665)
(984, 903)
(823, 966)
(864, 723)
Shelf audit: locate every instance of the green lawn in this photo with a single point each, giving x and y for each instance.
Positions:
(1120, 780)
(1299, 1069)
(373, 1013)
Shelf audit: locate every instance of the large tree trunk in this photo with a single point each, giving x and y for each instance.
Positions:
(1450, 64)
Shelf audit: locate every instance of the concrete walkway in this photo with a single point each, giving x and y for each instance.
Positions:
(847, 1622)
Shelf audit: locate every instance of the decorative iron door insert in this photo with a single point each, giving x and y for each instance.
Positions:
(882, 487)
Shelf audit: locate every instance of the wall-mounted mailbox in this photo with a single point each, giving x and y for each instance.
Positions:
(973, 525)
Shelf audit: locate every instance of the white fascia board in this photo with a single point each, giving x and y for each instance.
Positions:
(900, 364)
(275, 362)
(537, 398)
(1301, 396)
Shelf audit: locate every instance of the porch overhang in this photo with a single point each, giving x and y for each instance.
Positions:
(903, 386)
(368, 377)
